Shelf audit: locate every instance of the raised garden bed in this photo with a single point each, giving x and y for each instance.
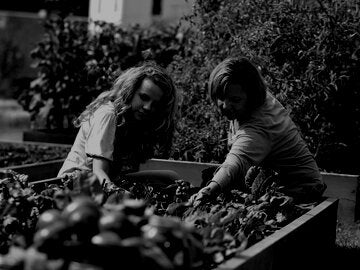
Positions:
(303, 243)
(343, 187)
(17, 154)
(50, 136)
(306, 240)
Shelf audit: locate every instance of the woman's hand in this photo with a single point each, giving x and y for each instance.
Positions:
(201, 197)
(205, 194)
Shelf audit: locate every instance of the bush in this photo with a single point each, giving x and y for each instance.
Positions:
(76, 65)
(11, 60)
(308, 51)
(308, 54)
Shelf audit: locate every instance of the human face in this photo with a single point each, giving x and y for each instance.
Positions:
(234, 105)
(146, 100)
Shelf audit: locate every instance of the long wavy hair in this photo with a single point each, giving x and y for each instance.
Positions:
(240, 70)
(160, 128)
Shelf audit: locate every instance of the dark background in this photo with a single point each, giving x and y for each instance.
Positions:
(82, 6)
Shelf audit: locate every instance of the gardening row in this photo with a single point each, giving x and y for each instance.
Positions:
(12, 154)
(16, 155)
(73, 222)
(25, 206)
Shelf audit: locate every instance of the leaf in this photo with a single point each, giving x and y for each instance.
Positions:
(280, 217)
(177, 209)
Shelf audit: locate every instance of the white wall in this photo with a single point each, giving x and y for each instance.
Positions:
(137, 11)
(106, 10)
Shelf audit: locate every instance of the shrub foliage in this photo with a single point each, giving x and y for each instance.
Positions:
(75, 65)
(307, 50)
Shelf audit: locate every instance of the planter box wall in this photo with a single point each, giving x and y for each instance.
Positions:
(39, 171)
(305, 243)
(50, 136)
(343, 187)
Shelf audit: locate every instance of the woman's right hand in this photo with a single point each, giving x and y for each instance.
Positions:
(199, 198)
(204, 195)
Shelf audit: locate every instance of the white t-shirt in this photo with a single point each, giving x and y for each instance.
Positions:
(95, 138)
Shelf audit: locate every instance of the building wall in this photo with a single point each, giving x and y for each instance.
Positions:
(106, 10)
(127, 12)
(137, 12)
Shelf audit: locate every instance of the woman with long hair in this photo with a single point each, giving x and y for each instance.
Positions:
(124, 126)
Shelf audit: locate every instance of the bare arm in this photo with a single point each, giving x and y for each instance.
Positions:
(222, 179)
(101, 169)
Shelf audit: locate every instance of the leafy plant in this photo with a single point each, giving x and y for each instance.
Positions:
(315, 73)
(11, 60)
(75, 65)
(15, 154)
(308, 53)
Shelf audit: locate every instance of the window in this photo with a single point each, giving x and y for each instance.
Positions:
(156, 8)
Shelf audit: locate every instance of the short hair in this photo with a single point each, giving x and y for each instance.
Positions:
(241, 71)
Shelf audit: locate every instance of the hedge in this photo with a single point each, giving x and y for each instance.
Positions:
(308, 52)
